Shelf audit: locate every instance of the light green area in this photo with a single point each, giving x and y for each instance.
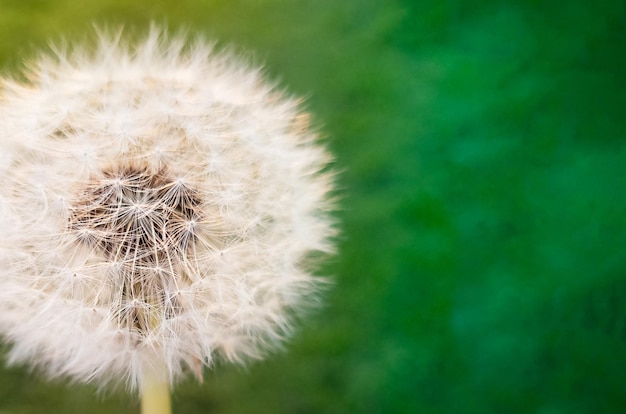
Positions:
(482, 265)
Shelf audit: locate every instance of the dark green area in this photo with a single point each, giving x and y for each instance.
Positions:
(482, 264)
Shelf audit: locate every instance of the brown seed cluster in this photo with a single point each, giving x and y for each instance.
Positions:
(143, 224)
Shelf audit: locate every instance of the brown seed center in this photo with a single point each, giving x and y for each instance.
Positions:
(143, 224)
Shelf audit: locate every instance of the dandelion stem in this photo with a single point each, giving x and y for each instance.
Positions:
(155, 397)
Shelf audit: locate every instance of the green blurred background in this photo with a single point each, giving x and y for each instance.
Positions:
(482, 266)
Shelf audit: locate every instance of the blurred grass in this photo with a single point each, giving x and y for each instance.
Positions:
(482, 264)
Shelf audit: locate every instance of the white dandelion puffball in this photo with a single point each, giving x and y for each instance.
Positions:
(160, 207)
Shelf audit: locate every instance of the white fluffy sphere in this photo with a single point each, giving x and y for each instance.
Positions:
(159, 206)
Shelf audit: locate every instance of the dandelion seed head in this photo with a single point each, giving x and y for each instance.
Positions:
(159, 206)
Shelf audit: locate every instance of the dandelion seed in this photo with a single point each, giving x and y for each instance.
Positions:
(158, 206)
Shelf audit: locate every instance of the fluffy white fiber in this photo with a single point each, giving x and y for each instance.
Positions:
(158, 207)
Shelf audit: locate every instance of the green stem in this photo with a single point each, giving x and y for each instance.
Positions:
(155, 397)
